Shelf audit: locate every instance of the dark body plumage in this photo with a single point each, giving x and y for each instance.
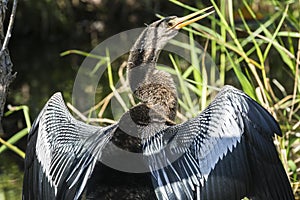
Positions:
(226, 152)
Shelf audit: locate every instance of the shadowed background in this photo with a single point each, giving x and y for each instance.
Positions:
(43, 29)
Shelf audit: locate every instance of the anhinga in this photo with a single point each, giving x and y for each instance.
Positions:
(226, 152)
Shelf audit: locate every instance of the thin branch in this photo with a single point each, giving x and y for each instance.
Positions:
(77, 112)
(10, 26)
(102, 120)
(89, 120)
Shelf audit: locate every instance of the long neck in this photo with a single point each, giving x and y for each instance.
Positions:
(146, 49)
(153, 87)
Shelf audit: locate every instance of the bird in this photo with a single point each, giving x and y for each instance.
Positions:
(225, 152)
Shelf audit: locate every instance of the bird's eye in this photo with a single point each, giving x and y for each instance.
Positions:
(171, 23)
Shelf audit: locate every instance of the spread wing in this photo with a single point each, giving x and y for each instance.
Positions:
(226, 152)
(61, 153)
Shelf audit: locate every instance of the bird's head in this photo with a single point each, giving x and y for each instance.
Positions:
(165, 29)
(153, 39)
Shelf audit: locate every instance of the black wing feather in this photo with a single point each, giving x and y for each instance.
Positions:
(226, 152)
(61, 153)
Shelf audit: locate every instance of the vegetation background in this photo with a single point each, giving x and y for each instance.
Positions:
(254, 43)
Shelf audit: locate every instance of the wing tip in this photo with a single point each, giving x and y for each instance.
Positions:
(274, 127)
(56, 95)
(56, 99)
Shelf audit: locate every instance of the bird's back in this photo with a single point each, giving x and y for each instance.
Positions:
(107, 183)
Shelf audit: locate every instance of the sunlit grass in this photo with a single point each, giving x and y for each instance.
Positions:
(252, 52)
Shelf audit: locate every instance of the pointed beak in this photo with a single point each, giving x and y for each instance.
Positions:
(186, 20)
